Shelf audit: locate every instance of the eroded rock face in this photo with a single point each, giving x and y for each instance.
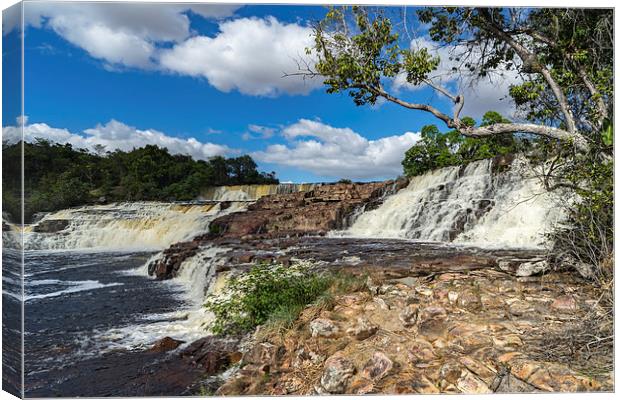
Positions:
(168, 265)
(213, 354)
(314, 212)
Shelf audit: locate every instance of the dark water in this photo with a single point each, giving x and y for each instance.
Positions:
(72, 298)
(11, 321)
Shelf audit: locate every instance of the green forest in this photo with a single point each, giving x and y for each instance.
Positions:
(59, 176)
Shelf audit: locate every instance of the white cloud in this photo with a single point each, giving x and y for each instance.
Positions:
(338, 152)
(115, 135)
(125, 34)
(250, 55)
(481, 94)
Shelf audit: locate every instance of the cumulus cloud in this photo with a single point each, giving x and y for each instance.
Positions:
(115, 135)
(481, 94)
(250, 55)
(338, 152)
(125, 34)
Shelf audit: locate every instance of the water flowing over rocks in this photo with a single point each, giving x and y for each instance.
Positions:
(434, 317)
(313, 212)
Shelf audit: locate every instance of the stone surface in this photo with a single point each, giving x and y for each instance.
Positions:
(363, 329)
(377, 367)
(409, 315)
(564, 303)
(337, 372)
(166, 344)
(471, 384)
(211, 353)
(510, 384)
(323, 327)
(461, 326)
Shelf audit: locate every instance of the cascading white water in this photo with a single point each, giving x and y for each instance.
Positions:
(139, 225)
(470, 204)
(195, 281)
(253, 192)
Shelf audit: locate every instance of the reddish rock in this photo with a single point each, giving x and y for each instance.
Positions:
(166, 344)
(337, 372)
(377, 367)
(316, 212)
(167, 266)
(213, 354)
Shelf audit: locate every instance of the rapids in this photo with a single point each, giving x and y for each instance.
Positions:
(470, 205)
(138, 226)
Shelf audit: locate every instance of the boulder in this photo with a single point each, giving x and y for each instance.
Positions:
(323, 327)
(337, 372)
(165, 344)
(409, 315)
(212, 353)
(377, 367)
(363, 329)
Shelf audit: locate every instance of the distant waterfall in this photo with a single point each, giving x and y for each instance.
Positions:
(253, 192)
(138, 226)
(469, 204)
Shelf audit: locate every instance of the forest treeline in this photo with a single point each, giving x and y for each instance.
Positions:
(59, 176)
(437, 149)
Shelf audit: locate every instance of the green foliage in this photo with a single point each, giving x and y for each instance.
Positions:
(265, 292)
(354, 61)
(59, 176)
(588, 233)
(437, 150)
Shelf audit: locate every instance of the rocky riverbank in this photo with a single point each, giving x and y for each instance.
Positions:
(431, 319)
(477, 332)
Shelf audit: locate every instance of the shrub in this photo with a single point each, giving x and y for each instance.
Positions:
(266, 292)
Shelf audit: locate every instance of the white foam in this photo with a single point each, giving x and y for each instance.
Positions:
(137, 226)
(195, 280)
(74, 287)
(436, 205)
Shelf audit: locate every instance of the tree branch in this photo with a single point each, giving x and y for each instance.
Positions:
(412, 106)
(540, 130)
(530, 58)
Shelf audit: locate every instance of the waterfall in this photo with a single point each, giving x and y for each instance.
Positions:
(197, 278)
(137, 226)
(253, 192)
(468, 204)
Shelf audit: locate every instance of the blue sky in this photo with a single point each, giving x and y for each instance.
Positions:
(205, 81)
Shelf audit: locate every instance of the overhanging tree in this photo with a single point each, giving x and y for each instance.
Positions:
(564, 56)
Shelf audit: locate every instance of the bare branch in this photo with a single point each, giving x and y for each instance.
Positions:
(530, 59)
(540, 130)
